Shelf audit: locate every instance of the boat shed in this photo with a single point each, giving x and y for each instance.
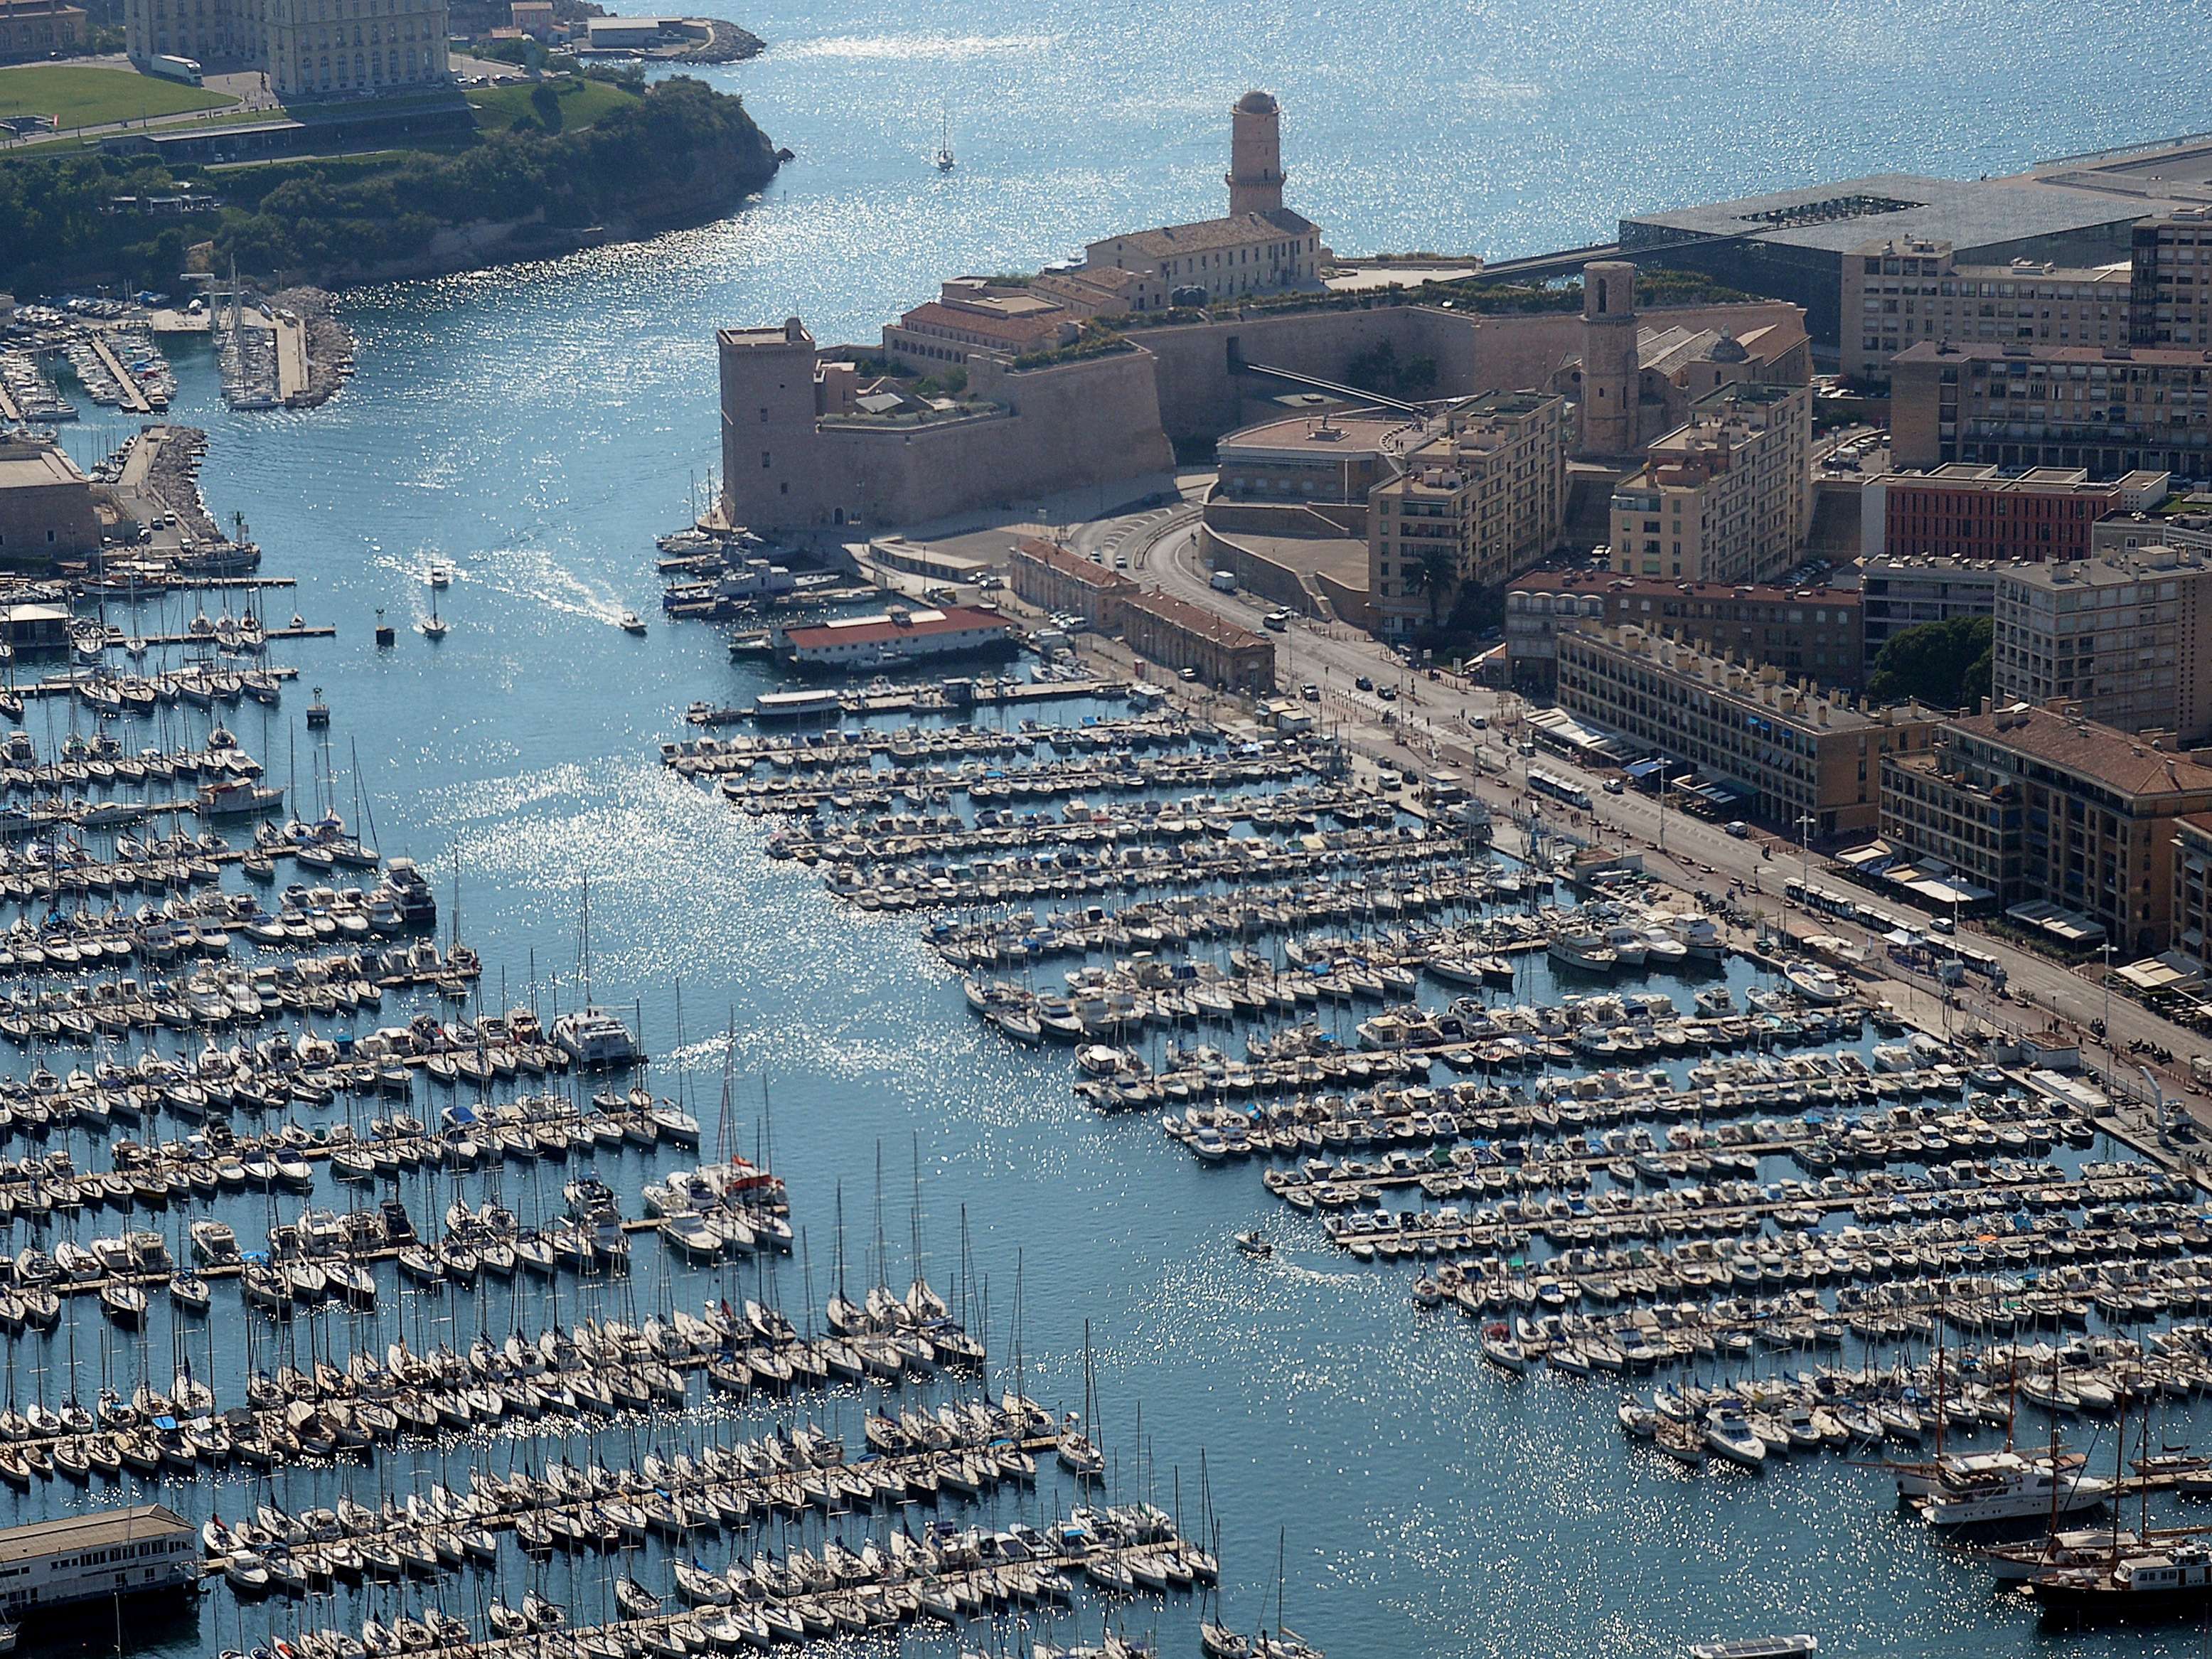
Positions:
(146, 1549)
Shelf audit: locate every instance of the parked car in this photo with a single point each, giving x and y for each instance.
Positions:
(1311, 692)
(1739, 828)
(1613, 786)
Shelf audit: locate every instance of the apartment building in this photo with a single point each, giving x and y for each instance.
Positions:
(1486, 485)
(2191, 922)
(1965, 512)
(1725, 497)
(2120, 409)
(2043, 806)
(1804, 756)
(1811, 631)
(1903, 290)
(1900, 592)
(2127, 638)
(2173, 279)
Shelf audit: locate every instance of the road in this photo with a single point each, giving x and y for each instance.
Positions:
(1434, 721)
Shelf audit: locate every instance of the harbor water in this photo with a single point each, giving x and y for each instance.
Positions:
(534, 429)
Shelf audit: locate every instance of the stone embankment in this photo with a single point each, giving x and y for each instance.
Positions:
(330, 344)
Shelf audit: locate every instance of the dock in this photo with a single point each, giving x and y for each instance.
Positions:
(914, 700)
(131, 397)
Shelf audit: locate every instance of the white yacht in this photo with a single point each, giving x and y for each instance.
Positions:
(1627, 944)
(1700, 936)
(1816, 984)
(1973, 1487)
(595, 1039)
(1584, 950)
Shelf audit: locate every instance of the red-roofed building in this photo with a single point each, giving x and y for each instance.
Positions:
(1048, 576)
(1177, 635)
(898, 636)
(976, 316)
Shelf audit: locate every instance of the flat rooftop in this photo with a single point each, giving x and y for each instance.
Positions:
(1838, 217)
(24, 466)
(137, 1524)
(1315, 437)
(2025, 354)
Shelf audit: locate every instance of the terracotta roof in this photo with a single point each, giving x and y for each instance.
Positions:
(2102, 754)
(1198, 621)
(1054, 556)
(1234, 231)
(1017, 330)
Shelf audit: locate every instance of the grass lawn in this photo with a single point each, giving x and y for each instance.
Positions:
(582, 103)
(83, 96)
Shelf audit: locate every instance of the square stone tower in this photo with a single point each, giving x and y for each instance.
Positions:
(1610, 364)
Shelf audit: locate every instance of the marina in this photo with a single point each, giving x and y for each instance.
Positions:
(1359, 1462)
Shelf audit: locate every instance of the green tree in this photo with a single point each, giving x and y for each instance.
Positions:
(1945, 665)
(547, 104)
(1433, 573)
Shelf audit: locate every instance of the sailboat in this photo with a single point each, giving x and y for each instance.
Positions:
(432, 627)
(944, 162)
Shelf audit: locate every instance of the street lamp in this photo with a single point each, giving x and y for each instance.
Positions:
(1805, 849)
(2107, 948)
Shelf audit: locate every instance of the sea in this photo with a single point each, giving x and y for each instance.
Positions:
(534, 428)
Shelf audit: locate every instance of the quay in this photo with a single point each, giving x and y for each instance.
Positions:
(713, 756)
(847, 1608)
(68, 685)
(917, 700)
(131, 397)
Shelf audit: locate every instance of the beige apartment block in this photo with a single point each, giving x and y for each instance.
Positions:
(1488, 486)
(2172, 302)
(1726, 497)
(1806, 757)
(2126, 638)
(1898, 292)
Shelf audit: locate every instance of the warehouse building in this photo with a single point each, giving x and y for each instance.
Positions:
(145, 1550)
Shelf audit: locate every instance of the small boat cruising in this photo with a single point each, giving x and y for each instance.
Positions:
(1254, 1245)
(432, 627)
(1757, 1647)
(631, 622)
(944, 161)
(440, 576)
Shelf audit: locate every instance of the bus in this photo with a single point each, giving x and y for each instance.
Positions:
(1558, 788)
(175, 69)
(1821, 900)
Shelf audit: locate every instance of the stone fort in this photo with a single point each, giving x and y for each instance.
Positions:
(810, 441)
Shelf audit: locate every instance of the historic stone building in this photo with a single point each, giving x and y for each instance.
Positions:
(307, 48)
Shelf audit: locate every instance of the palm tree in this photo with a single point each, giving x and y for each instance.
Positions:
(1432, 572)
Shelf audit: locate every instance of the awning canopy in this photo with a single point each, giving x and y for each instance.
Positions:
(2067, 927)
